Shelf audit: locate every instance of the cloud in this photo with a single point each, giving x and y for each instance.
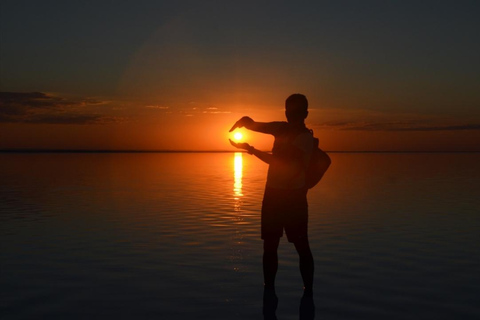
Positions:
(38, 107)
(189, 109)
(377, 120)
(398, 126)
(157, 107)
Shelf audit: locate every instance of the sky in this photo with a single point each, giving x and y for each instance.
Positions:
(175, 75)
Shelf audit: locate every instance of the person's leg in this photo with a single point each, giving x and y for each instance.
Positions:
(270, 261)
(306, 263)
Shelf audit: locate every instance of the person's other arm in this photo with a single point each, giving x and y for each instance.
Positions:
(262, 155)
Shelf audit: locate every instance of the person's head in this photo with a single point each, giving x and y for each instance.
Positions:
(296, 108)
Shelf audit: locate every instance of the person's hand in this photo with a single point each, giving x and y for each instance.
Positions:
(241, 145)
(241, 123)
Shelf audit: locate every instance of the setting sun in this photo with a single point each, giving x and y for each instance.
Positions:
(238, 136)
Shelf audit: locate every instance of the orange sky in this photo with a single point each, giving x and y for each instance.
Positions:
(157, 129)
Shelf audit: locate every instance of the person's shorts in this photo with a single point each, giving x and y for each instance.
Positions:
(285, 209)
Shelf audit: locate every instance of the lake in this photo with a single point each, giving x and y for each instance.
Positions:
(177, 236)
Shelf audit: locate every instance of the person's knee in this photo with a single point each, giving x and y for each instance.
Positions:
(270, 246)
(302, 246)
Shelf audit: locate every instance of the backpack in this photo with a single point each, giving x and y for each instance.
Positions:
(318, 165)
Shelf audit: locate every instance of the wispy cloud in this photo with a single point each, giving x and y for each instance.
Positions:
(396, 126)
(190, 109)
(38, 107)
(198, 107)
(411, 127)
(365, 120)
(157, 107)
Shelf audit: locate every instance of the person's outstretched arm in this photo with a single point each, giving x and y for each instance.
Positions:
(250, 124)
(262, 155)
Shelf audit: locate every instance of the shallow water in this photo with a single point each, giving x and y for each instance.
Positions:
(176, 236)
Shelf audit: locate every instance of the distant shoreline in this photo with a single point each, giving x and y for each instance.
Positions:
(199, 151)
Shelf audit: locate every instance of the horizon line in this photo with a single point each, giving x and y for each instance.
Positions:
(39, 150)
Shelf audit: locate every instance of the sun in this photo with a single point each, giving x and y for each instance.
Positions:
(238, 136)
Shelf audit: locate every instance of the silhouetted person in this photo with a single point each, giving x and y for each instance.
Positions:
(284, 204)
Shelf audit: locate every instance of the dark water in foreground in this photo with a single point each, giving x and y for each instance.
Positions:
(176, 236)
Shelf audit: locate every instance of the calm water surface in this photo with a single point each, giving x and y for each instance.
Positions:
(176, 236)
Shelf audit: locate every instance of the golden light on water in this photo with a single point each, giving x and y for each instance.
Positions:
(238, 174)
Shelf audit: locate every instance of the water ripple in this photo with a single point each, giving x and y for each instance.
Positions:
(176, 236)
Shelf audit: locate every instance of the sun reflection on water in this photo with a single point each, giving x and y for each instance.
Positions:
(238, 174)
(236, 256)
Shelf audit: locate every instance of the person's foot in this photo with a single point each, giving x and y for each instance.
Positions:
(270, 303)
(307, 307)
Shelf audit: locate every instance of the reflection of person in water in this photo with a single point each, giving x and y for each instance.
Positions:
(285, 199)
